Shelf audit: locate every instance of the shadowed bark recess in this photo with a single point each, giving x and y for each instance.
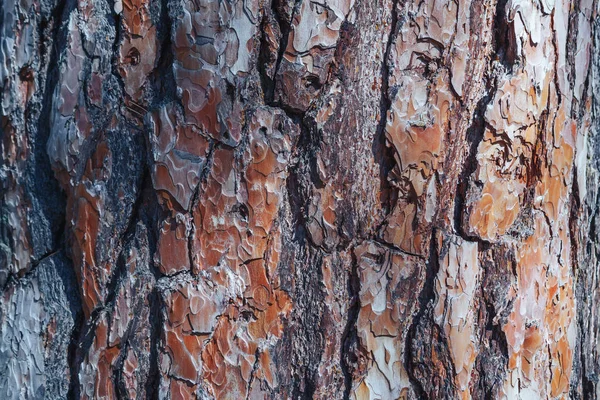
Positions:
(291, 199)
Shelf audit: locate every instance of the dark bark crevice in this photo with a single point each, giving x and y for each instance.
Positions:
(350, 342)
(505, 42)
(382, 151)
(195, 198)
(414, 341)
(43, 189)
(474, 136)
(162, 78)
(285, 27)
(156, 324)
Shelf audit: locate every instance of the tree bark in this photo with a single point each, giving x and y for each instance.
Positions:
(365, 199)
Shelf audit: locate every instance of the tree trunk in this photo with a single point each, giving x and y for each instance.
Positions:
(365, 199)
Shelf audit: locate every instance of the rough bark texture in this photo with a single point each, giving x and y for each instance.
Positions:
(365, 199)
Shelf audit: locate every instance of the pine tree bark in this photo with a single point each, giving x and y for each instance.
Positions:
(299, 199)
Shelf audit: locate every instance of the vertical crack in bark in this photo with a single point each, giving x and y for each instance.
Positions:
(156, 325)
(383, 153)
(162, 76)
(136, 210)
(267, 83)
(536, 173)
(194, 204)
(384, 156)
(505, 46)
(307, 313)
(72, 356)
(114, 59)
(293, 185)
(41, 162)
(43, 187)
(81, 342)
(583, 295)
(589, 241)
(572, 47)
(425, 298)
(117, 369)
(252, 374)
(349, 353)
(584, 235)
(285, 27)
(474, 137)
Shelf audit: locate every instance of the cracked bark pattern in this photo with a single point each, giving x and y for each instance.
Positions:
(299, 199)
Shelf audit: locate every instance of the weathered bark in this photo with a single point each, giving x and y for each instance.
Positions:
(366, 199)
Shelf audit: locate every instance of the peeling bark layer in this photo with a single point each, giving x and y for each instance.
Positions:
(294, 199)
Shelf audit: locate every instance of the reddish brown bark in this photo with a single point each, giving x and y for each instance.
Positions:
(294, 199)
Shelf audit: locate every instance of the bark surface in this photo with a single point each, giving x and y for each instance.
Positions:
(248, 199)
